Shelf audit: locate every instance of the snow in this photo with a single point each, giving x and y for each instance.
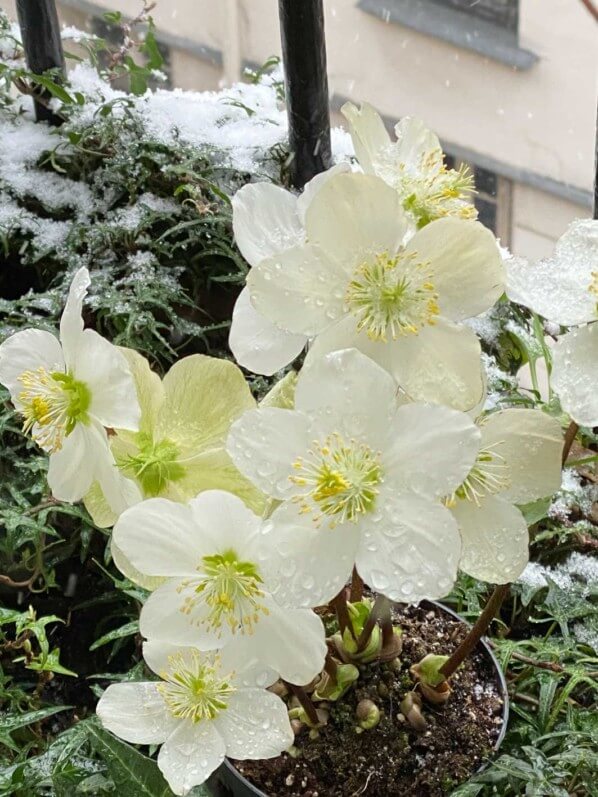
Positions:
(579, 569)
(71, 33)
(573, 494)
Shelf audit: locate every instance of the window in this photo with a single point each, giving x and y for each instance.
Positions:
(492, 199)
(504, 13)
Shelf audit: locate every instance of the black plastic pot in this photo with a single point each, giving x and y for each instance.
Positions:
(228, 782)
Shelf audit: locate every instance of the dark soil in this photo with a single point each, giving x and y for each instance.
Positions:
(393, 759)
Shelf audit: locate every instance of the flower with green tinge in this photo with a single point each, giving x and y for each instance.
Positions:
(519, 461)
(204, 707)
(178, 450)
(69, 390)
(360, 479)
(355, 283)
(564, 289)
(413, 165)
(267, 219)
(215, 560)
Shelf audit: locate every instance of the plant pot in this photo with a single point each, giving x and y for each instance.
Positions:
(228, 782)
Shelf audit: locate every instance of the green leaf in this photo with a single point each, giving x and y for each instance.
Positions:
(536, 510)
(129, 629)
(133, 774)
(12, 722)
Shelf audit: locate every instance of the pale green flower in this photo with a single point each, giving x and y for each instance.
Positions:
(179, 449)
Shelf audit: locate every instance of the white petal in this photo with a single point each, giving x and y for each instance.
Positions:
(163, 619)
(71, 323)
(530, 443)
(265, 221)
(291, 641)
(368, 134)
(27, 351)
(354, 216)
(264, 443)
(250, 671)
(71, 470)
(315, 184)
(136, 712)
(431, 449)
(105, 371)
(306, 564)
(159, 538)
(440, 364)
(257, 343)
(414, 142)
(495, 539)
(126, 568)
(347, 392)
(410, 549)
(223, 522)
(575, 373)
(255, 725)
(558, 288)
(465, 263)
(301, 290)
(190, 755)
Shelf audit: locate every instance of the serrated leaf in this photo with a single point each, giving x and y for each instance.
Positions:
(133, 774)
(12, 722)
(129, 629)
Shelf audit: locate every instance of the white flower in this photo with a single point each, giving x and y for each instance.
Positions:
(519, 461)
(575, 373)
(360, 480)
(205, 707)
(68, 390)
(215, 560)
(267, 219)
(564, 289)
(355, 284)
(413, 165)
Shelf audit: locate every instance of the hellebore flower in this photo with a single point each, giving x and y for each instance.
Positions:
(267, 219)
(205, 707)
(179, 448)
(355, 283)
(360, 479)
(413, 165)
(69, 390)
(564, 289)
(519, 461)
(215, 560)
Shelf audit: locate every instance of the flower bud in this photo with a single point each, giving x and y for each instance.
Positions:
(368, 714)
(411, 708)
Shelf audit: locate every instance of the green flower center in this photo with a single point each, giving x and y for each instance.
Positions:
(231, 589)
(435, 191)
(392, 295)
(341, 479)
(194, 689)
(52, 405)
(155, 465)
(489, 475)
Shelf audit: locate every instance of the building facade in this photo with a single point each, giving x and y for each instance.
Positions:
(509, 85)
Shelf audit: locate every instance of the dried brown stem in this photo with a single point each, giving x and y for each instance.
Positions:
(339, 606)
(477, 631)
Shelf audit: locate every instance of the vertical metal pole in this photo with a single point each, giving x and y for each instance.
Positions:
(43, 47)
(306, 84)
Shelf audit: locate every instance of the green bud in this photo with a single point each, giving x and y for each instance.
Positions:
(368, 714)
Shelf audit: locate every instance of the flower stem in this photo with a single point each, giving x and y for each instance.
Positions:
(477, 631)
(331, 667)
(356, 586)
(306, 703)
(570, 435)
(339, 606)
(380, 611)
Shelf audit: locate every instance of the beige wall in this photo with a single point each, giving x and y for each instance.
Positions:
(540, 120)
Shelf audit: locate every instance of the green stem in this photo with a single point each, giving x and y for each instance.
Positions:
(380, 611)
